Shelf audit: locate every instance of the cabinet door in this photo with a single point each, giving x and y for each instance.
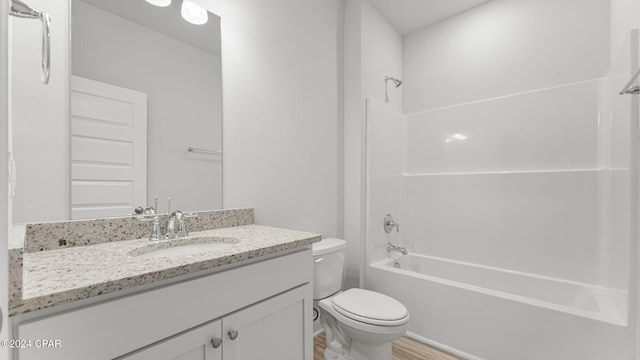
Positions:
(197, 344)
(278, 328)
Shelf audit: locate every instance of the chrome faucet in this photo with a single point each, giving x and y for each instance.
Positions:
(400, 249)
(176, 225)
(176, 230)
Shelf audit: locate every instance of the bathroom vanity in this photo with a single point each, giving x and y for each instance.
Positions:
(250, 298)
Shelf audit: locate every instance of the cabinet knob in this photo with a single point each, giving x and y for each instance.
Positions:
(233, 334)
(216, 342)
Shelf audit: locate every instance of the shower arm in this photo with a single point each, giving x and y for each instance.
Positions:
(24, 11)
(396, 82)
(631, 90)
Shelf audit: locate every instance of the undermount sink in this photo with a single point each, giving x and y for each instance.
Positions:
(183, 247)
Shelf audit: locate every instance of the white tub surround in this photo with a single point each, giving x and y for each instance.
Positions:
(517, 209)
(581, 299)
(476, 312)
(43, 279)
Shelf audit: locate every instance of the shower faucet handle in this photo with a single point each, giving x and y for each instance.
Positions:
(389, 224)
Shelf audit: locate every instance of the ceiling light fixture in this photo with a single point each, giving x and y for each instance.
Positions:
(161, 3)
(194, 13)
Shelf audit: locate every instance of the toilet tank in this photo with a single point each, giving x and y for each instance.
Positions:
(328, 267)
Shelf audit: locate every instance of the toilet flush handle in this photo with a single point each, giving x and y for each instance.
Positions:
(318, 260)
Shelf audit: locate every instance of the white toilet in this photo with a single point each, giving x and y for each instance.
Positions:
(359, 324)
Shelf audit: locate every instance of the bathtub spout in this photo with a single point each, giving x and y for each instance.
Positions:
(400, 249)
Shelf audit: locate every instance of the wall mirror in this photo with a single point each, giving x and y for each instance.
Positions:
(145, 109)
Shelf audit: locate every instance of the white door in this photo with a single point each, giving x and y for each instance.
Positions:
(279, 328)
(202, 343)
(108, 149)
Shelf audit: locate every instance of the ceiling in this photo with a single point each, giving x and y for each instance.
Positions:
(408, 16)
(167, 21)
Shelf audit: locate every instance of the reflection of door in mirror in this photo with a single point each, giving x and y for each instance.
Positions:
(108, 149)
(153, 50)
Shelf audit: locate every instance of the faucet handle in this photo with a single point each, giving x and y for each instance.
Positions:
(389, 224)
(156, 231)
(182, 228)
(182, 223)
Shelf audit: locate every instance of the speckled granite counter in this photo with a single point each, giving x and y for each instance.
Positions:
(61, 276)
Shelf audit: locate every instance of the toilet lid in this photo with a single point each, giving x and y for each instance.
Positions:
(365, 304)
(328, 245)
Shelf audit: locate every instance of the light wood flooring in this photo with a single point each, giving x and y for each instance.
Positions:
(403, 349)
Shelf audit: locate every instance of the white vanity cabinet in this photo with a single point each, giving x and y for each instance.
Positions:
(272, 329)
(261, 310)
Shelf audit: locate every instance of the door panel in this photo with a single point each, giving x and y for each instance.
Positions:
(272, 329)
(108, 149)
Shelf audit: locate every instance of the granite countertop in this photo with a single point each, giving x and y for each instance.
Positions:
(60, 276)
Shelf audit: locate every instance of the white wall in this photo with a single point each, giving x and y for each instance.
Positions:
(40, 117)
(280, 76)
(625, 15)
(505, 47)
(381, 56)
(354, 145)
(184, 89)
(373, 50)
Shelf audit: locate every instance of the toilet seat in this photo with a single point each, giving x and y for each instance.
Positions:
(327, 306)
(370, 307)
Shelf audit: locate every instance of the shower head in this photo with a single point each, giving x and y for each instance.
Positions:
(629, 89)
(395, 81)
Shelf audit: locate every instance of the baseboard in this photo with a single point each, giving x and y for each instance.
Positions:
(434, 344)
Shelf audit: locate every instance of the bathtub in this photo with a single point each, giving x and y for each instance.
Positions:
(454, 306)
